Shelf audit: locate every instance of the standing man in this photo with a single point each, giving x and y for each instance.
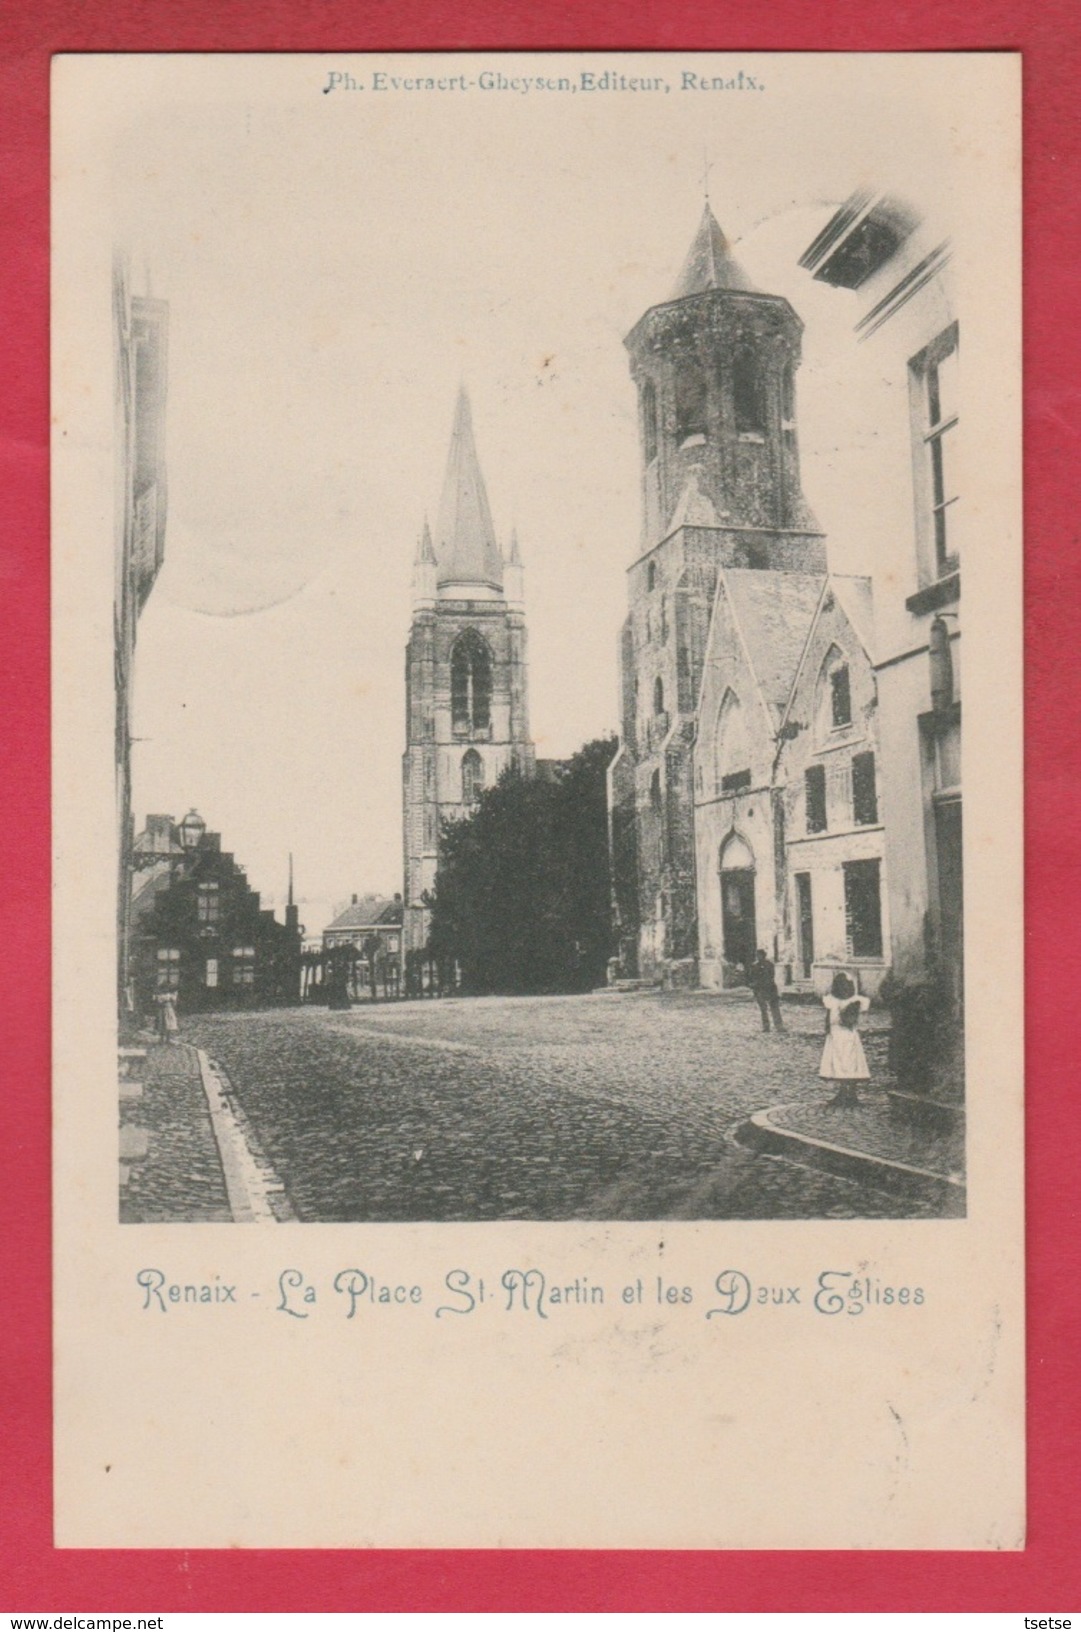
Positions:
(761, 980)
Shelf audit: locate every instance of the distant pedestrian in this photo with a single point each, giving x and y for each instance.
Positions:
(843, 1060)
(168, 1025)
(763, 983)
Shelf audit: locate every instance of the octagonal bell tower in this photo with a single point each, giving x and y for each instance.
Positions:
(714, 366)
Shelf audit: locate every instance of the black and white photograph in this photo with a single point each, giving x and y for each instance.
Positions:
(538, 656)
(514, 835)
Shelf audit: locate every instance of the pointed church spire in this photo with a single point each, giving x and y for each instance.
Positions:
(425, 555)
(465, 544)
(710, 263)
(513, 572)
(424, 569)
(292, 912)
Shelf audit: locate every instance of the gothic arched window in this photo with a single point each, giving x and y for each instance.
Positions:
(691, 423)
(471, 683)
(649, 422)
(733, 748)
(472, 777)
(748, 395)
(833, 696)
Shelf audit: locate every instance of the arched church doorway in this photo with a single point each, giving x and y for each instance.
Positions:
(737, 903)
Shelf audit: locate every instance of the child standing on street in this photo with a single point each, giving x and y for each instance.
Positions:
(843, 1060)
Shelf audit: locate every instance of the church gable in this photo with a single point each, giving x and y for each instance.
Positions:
(774, 613)
(759, 628)
(833, 696)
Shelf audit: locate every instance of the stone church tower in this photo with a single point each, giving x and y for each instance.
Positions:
(715, 369)
(465, 670)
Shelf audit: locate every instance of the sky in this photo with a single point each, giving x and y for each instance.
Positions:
(335, 266)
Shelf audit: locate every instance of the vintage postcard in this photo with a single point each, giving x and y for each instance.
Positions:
(517, 846)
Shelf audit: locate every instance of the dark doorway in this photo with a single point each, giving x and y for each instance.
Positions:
(737, 914)
(806, 923)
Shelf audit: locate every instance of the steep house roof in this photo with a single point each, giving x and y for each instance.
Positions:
(366, 911)
(774, 611)
(855, 596)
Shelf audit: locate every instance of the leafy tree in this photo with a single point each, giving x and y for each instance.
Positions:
(522, 899)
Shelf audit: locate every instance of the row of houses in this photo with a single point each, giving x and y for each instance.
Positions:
(200, 932)
(789, 773)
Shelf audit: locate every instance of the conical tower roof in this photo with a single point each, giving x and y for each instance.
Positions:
(710, 263)
(465, 544)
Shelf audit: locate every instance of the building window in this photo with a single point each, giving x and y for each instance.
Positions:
(211, 971)
(243, 966)
(658, 696)
(735, 781)
(209, 903)
(840, 697)
(472, 777)
(168, 968)
(691, 422)
(651, 575)
(814, 792)
(649, 423)
(935, 381)
(833, 698)
(471, 683)
(864, 792)
(863, 909)
(748, 397)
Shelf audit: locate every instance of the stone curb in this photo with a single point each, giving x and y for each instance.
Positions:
(760, 1132)
(255, 1192)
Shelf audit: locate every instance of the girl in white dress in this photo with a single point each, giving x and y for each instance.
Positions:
(843, 1059)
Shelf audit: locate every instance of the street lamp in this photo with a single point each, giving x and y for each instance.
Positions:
(192, 829)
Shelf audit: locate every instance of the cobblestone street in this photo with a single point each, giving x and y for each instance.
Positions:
(609, 1106)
